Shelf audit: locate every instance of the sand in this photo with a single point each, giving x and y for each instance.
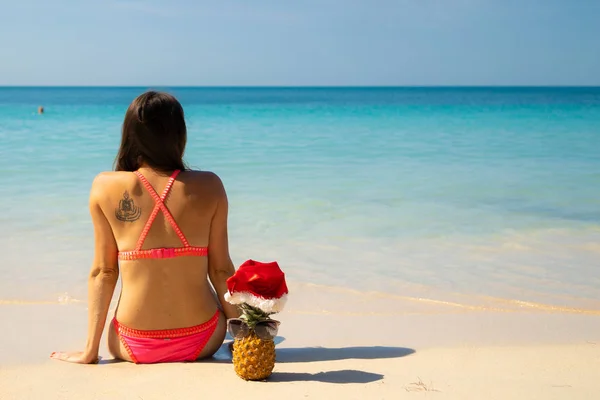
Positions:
(333, 344)
(536, 372)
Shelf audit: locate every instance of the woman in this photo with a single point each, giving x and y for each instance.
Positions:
(164, 227)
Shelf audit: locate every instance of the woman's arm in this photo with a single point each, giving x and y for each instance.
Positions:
(102, 280)
(220, 266)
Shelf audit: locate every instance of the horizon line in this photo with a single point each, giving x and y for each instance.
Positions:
(300, 86)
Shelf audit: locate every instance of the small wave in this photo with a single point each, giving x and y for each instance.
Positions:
(33, 302)
(473, 303)
(469, 304)
(64, 298)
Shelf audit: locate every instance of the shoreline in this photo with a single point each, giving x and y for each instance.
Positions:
(312, 298)
(535, 268)
(344, 317)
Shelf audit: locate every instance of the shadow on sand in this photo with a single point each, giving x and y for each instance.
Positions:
(103, 361)
(342, 376)
(310, 354)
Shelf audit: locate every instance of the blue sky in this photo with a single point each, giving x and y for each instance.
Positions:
(300, 42)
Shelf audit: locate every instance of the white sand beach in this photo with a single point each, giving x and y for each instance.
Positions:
(333, 343)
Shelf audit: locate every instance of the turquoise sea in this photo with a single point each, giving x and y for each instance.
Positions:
(426, 192)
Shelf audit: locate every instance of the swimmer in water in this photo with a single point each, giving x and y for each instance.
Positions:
(40, 110)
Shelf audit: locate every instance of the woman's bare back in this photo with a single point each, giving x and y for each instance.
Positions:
(162, 293)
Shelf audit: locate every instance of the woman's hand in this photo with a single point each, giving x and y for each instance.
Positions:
(78, 357)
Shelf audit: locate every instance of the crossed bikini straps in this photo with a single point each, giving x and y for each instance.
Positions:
(159, 205)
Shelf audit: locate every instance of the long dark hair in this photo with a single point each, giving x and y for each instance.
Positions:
(154, 133)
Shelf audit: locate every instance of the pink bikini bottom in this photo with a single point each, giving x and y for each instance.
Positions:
(162, 346)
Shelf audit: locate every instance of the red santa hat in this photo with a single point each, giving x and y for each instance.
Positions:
(261, 285)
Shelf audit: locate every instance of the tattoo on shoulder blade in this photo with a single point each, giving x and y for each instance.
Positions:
(127, 210)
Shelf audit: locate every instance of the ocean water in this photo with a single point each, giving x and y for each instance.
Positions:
(425, 192)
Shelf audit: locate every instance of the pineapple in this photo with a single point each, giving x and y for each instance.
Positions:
(253, 357)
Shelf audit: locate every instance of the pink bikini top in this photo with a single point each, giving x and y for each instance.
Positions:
(165, 252)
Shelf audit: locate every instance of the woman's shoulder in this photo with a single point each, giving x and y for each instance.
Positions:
(106, 184)
(204, 176)
(204, 179)
(110, 177)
